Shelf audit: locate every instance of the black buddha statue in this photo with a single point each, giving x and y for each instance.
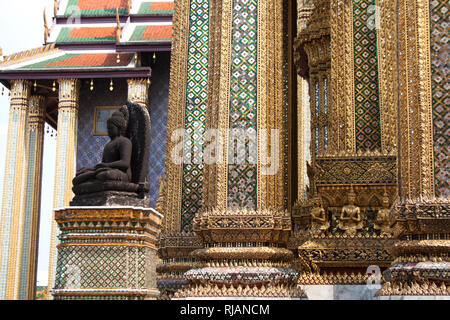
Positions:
(115, 165)
(120, 179)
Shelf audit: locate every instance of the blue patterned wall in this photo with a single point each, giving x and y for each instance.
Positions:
(159, 105)
(90, 147)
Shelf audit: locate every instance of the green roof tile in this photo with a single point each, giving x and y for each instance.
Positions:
(83, 35)
(156, 8)
(77, 7)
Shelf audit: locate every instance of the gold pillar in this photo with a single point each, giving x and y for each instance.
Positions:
(175, 244)
(342, 99)
(421, 220)
(29, 224)
(65, 157)
(314, 41)
(416, 114)
(12, 212)
(270, 170)
(388, 74)
(138, 90)
(302, 127)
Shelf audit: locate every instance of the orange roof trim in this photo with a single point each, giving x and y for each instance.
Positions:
(158, 32)
(94, 60)
(162, 6)
(101, 4)
(93, 32)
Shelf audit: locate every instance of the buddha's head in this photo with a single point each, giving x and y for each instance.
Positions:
(351, 196)
(116, 124)
(317, 202)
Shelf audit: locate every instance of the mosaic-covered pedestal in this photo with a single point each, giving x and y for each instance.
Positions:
(421, 268)
(175, 253)
(106, 253)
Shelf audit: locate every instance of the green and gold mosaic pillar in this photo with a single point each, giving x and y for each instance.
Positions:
(243, 223)
(422, 214)
(188, 97)
(65, 157)
(12, 205)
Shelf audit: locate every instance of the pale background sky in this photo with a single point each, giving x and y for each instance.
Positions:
(22, 28)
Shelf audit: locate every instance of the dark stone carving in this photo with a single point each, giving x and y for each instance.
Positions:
(121, 177)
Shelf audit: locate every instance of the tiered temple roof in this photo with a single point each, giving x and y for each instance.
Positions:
(100, 35)
(95, 39)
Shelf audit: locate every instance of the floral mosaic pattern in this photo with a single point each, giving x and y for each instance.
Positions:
(440, 85)
(367, 113)
(242, 177)
(195, 116)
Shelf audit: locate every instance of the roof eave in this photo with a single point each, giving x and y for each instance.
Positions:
(144, 46)
(75, 73)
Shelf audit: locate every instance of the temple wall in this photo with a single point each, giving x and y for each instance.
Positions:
(90, 147)
(159, 105)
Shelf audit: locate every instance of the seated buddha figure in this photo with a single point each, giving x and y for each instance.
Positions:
(319, 222)
(115, 165)
(350, 220)
(382, 220)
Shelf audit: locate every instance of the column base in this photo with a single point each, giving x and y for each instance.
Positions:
(175, 250)
(245, 257)
(393, 298)
(422, 258)
(340, 292)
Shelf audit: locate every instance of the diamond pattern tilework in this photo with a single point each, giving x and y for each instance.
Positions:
(242, 177)
(440, 85)
(195, 116)
(90, 148)
(367, 113)
(100, 267)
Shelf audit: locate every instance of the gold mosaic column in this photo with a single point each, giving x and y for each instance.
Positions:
(302, 150)
(342, 93)
(12, 211)
(388, 74)
(138, 90)
(65, 157)
(175, 244)
(314, 39)
(243, 224)
(29, 224)
(304, 11)
(422, 219)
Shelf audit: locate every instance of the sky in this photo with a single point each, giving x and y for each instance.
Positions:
(22, 28)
